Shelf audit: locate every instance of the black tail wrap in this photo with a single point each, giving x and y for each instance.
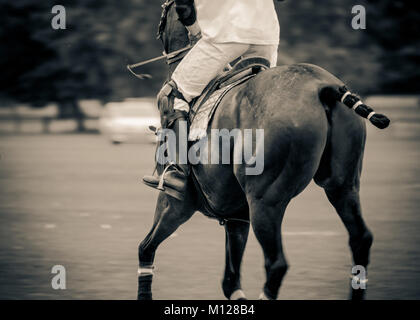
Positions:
(378, 120)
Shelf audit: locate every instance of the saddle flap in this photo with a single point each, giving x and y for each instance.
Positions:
(204, 107)
(201, 115)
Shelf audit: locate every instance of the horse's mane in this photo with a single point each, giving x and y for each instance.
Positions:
(164, 17)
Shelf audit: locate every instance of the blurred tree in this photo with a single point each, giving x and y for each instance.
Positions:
(88, 58)
(20, 50)
(320, 32)
(395, 26)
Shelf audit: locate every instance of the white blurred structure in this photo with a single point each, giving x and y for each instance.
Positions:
(129, 121)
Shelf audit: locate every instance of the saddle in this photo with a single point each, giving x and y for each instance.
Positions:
(203, 107)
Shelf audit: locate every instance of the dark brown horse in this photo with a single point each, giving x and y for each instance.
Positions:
(308, 134)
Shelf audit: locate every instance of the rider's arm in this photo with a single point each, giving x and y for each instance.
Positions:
(187, 15)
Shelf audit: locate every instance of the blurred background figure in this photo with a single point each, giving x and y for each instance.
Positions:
(68, 196)
(130, 120)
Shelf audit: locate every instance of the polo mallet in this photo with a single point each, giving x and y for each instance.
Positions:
(171, 55)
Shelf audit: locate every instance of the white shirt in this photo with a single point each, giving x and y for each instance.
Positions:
(240, 21)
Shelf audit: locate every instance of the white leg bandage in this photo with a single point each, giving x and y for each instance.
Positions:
(263, 297)
(238, 294)
(145, 271)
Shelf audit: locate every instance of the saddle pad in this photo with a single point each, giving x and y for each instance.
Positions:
(203, 109)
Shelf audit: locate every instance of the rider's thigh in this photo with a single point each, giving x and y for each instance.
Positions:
(265, 51)
(203, 63)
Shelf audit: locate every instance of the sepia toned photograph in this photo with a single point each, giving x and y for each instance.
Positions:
(192, 150)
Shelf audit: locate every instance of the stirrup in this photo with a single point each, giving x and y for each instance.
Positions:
(161, 180)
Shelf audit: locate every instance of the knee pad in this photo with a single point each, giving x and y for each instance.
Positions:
(165, 100)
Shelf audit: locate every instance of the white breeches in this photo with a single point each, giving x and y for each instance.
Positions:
(206, 60)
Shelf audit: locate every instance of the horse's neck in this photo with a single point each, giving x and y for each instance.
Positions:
(172, 68)
(174, 45)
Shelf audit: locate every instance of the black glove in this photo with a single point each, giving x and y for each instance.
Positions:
(186, 11)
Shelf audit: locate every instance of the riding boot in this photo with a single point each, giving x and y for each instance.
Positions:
(173, 180)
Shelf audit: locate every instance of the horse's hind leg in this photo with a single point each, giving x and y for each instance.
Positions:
(289, 168)
(347, 203)
(170, 214)
(236, 238)
(266, 222)
(339, 174)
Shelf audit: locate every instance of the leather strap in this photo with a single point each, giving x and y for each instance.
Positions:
(175, 115)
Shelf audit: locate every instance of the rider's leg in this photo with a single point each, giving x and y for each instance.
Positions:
(202, 64)
(195, 71)
(270, 52)
(174, 178)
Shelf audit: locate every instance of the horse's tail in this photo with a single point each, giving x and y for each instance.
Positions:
(331, 94)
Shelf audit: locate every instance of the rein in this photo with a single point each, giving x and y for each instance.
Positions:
(170, 59)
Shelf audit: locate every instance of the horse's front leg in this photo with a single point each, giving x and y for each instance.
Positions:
(170, 214)
(236, 238)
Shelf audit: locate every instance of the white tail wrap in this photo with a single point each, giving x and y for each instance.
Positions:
(371, 115)
(358, 103)
(345, 96)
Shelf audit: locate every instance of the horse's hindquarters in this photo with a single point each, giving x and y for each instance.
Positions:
(288, 125)
(279, 123)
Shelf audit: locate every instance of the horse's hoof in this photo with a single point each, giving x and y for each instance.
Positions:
(144, 296)
(238, 295)
(357, 295)
(263, 297)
